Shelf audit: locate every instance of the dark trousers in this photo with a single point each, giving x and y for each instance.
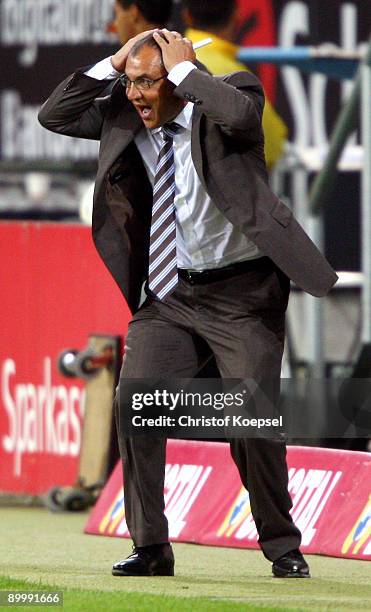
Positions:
(241, 321)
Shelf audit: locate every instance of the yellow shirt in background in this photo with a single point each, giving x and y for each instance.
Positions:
(220, 58)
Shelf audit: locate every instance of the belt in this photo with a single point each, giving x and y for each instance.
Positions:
(196, 277)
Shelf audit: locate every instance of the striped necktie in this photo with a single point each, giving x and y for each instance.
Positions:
(163, 273)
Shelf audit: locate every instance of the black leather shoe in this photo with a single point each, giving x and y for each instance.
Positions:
(156, 560)
(291, 565)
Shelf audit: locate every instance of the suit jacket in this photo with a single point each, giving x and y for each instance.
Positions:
(228, 154)
(220, 58)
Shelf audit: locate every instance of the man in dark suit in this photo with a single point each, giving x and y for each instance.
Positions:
(182, 202)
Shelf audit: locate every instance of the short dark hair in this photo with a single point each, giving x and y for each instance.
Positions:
(154, 11)
(210, 13)
(146, 41)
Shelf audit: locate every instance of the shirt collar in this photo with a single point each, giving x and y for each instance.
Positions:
(184, 119)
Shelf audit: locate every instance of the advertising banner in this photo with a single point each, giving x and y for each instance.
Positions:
(55, 291)
(206, 504)
(41, 43)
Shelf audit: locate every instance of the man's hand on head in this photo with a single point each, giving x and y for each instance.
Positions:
(174, 48)
(118, 60)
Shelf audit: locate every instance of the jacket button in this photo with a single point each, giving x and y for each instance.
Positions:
(190, 97)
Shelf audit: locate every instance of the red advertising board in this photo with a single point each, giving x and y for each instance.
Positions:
(205, 502)
(55, 291)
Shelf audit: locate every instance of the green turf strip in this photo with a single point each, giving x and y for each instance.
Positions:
(45, 548)
(78, 600)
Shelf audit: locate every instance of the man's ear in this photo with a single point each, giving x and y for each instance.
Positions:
(139, 24)
(134, 13)
(187, 17)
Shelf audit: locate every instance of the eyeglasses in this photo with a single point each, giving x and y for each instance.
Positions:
(141, 83)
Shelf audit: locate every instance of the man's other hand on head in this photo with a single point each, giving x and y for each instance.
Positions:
(174, 48)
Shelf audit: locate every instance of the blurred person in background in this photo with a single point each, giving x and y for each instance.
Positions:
(131, 17)
(218, 19)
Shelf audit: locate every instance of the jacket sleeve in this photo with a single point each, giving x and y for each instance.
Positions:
(235, 102)
(275, 132)
(75, 108)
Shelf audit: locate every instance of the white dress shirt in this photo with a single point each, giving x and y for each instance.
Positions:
(205, 238)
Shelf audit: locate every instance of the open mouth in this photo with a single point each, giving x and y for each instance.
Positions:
(145, 112)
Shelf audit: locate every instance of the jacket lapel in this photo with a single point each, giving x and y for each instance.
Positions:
(124, 128)
(196, 151)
